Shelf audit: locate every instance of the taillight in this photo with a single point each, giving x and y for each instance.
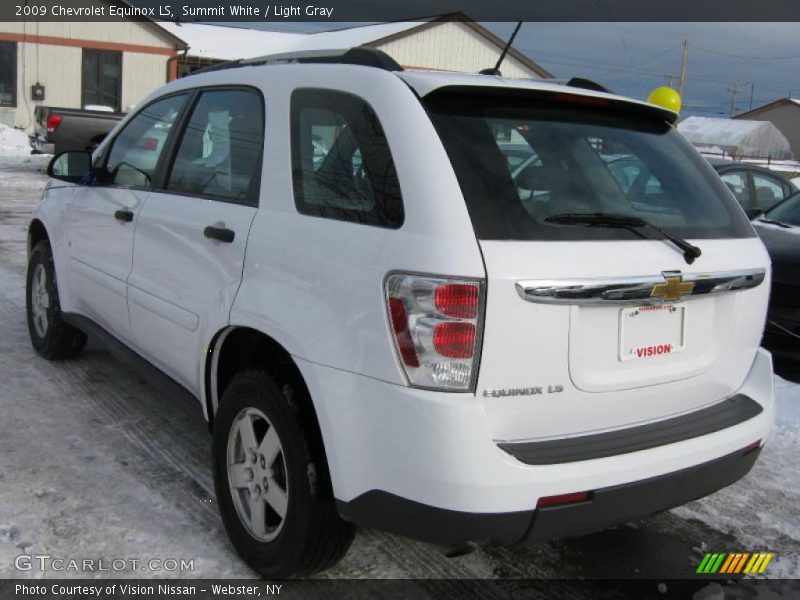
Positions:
(53, 122)
(436, 323)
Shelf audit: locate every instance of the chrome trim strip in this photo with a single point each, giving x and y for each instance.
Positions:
(633, 290)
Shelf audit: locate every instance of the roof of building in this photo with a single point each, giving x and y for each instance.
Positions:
(230, 43)
(768, 105)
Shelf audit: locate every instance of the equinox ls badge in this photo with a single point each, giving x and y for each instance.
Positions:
(522, 391)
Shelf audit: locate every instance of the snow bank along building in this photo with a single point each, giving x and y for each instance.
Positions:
(73, 65)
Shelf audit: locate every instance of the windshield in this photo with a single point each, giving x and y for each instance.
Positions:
(521, 158)
(787, 212)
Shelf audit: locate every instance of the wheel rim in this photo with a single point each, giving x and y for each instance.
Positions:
(257, 475)
(40, 300)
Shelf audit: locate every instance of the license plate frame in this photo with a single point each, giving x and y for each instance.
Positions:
(652, 332)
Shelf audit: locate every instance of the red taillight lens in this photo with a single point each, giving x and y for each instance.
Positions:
(457, 300)
(53, 122)
(562, 499)
(435, 323)
(403, 336)
(150, 144)
(454, 339)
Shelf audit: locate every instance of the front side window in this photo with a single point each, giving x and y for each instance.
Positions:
(342, 167)
(8, 73)
(137, 149)
(102, 79)
(220, 151)
(523, 158)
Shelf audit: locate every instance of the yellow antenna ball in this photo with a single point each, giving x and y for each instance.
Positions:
(665, 97)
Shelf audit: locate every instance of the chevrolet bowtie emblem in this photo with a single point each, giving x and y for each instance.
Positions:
(672, 289)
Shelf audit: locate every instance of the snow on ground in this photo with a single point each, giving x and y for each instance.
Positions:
(13, 142)
(96, 463)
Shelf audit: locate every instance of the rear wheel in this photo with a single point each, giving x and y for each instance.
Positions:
(50, 336)
(272, 488)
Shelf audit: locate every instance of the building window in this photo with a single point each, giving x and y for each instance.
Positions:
(102, 79)
(8, 73)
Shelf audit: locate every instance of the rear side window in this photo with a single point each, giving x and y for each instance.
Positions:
(521, 158)
(342, 167)
(135, 152)
(737, 184)
(219, 154)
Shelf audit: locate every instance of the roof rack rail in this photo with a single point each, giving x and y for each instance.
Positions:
(359, 55)
(588, 84)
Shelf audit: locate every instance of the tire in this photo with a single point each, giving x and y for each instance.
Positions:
(51, 337)
(310, 537)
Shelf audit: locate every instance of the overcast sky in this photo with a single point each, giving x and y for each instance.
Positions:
(633, 58)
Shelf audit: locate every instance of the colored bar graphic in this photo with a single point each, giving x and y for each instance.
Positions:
(734, 562)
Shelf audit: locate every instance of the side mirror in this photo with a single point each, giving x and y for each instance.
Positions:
(753, 213)
(71, 166)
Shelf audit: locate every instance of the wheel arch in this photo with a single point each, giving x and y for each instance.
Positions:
(37, 232)
(237, 348)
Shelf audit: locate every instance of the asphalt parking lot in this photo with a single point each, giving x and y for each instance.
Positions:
(97, 463)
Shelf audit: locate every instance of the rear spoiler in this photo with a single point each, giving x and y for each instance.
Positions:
(564, 96)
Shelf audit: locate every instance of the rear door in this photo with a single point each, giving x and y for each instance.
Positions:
(593, 326)
(192, 231)
(102, 219)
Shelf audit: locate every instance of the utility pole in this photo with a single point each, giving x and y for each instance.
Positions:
(683, 67)
(752, 92)
(735, 88)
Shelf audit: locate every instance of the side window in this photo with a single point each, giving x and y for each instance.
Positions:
(135, 151)
(769, 191)
(737, 183)
(342, 167)
(220, 150)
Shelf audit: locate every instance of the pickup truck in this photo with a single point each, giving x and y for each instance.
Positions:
(58, 129)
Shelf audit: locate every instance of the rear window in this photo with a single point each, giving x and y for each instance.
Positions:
(521, 158)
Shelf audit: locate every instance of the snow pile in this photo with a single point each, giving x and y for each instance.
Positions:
(760, 511)
(13, 142)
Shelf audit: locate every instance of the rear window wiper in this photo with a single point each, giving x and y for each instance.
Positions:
(774, 222)
(690, 251)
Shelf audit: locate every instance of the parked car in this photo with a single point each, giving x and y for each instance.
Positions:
(397, 333)
(779, 229)
(58, 130)
(757, 189)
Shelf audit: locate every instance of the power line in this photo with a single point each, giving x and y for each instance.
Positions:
(744, 57)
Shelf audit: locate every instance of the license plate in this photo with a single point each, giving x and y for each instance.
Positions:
(650, 332)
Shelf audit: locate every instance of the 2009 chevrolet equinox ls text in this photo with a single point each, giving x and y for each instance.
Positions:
(422, 302)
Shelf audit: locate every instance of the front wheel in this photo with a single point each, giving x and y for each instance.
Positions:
(51, 337)
(272, 491)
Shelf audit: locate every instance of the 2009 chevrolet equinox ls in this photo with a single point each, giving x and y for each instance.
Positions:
(423, 302)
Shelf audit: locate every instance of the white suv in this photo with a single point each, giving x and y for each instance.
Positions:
(455, 307)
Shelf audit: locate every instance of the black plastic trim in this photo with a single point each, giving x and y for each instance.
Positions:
(145, 369)
(736, 409)
(609, 506)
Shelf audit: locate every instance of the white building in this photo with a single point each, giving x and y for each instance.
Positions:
(116, 64)
(81, 63)
(447, 43)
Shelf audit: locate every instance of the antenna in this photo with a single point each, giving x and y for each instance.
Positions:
(496, 69)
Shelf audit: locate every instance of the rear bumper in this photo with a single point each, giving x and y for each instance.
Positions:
(606, 507)
(424, 464)
(41, 145)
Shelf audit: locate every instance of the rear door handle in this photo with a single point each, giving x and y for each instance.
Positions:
(221, 234)
(125, 216)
